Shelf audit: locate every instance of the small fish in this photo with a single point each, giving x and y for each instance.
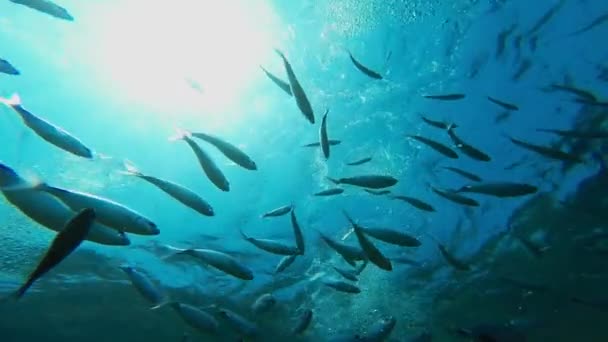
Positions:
(279, 82)
(580, 93)
(546, 18)
(272, 246)
(446, 97)
(263, 304)
(348, 252)
(502, 116)
(600, 304)
(145, 286)
(230, 151)
(370, 73)
(196, 318)
(505, 105)
(280, 211)
(7, 68)
(239, 323)
(303, 322)
(441, 148)
(524, 67)
(330, 142)
(371, 251)
(212, 171)
(194, 85)
(501, 40)
(184, 195)
(347, 274)
(64, 243)
(367, 181)
(455, 197)
(465, 174)
(329, 192)
(468, 149)
(48, 131)
(500, 189)
(218, 260)
(596, 22)
(547, 151)
(47, 7)
(323, 139)
(360, 161)
(285, 262)
(414, 202)
(377, 192)
(580, 134)
(450, 259)
(297, 232)
(392, 236)
(438, 124)
(341, 286)
(297, 91)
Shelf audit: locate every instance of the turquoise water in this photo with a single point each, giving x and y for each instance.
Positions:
(125, 75)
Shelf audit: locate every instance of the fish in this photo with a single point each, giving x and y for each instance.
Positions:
(573, 133)
(455, 197)
(7, 68)
(501, 40)
(445, 97)
(48, 211)
(280, 211)
(46, 130)
(227, 149)
(359, 162)
(468, 149)
(546, 18)
(145, 286)
(196, 318)
(109, 213)
(218, 260)
(272, 246)
(182, 194)
(371, 251)
(441, 148)
(341, 286)
(279, 82)
(347, 274)
(377, 192)
(548, 152)
(368, 72)
(500, 189)
(303, 322)
(212, 171)
(367, 181)
(524, 67)
(285, 262)
(64, 243)
(47, 7)
(435, 123)
(297, 233)
(450, 259)
(596, 22)
(465, 174)
(323, 139)
(329, 192)
(331, 142)
(263, 304)
(392, 236)
(297, 90)
(348, 252)
(416, 203)
(239, 323)
(505, 105)
(580, 93)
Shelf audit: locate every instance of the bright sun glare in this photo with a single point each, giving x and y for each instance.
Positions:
(195, 53)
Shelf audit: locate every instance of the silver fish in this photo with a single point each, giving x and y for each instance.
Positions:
(230, 151)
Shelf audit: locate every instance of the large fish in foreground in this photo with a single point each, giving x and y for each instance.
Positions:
(48, 211)
(48, 131)
(64, 243)
(46, 6)
(297, 90)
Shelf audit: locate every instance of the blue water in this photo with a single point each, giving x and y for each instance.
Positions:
(118, 76)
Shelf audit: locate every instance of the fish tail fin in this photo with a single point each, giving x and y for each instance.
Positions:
(14, 100)
(333, 180)
(180, 134)
(243, 235)
(280, 53)
(130, 168)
